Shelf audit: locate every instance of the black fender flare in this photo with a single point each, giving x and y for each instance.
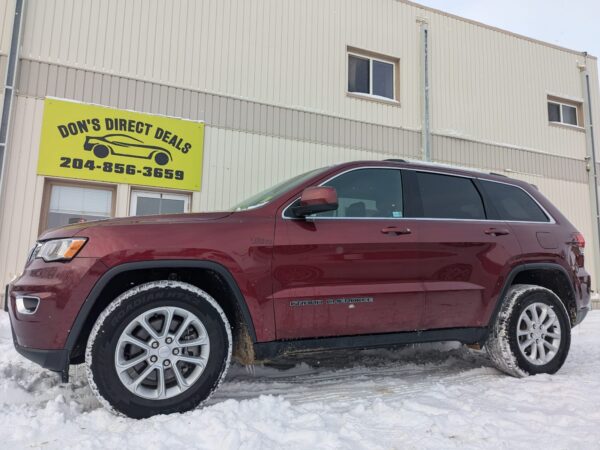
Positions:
(517, 270)
(94, 294)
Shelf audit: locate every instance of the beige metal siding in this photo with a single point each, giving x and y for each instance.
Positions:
(239, 164)
(286, 53)
(22, 198)
(490, 86)
(7, 14)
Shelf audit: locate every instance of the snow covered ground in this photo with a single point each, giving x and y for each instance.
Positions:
(427, 396)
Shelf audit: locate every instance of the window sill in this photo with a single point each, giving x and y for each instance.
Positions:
(373, 98)
(566, 125)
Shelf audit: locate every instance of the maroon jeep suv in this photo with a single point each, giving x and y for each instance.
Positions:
(355, 255)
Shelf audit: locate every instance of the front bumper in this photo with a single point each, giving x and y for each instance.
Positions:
(62, 289)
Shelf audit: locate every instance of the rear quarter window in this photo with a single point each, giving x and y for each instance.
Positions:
(513, 203)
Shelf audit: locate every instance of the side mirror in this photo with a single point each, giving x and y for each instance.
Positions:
(315, 200)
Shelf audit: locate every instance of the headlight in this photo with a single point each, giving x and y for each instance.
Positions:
(59, 249)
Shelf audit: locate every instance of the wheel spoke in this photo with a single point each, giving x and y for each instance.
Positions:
(527, 344)
(167, 322)
(534, 315)
(203, 340)
(135, 341)
(161, 388)
(125, 365)
(543, 315)
(527, 320)
(552, 319)
(181, 382)
(147, 371)
(541, 350)
(553, 335)
(523, 332)
(533, 351)
(196, 360)
(551, 347)
(148, 328)
(184, 326)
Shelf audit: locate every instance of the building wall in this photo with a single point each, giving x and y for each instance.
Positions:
(269, 79)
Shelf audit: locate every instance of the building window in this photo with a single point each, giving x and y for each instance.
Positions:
(145, 203)
(372, 75)
(67, 203)
(564, 111)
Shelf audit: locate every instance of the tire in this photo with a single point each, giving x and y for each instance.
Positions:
(161, 159)
(507, 345)
(101, 151)
(200, 336)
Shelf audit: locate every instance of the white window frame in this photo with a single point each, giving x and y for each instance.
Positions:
(135, 193)
(370, 95)
(560, 113)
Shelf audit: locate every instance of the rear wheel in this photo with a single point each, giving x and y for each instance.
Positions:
(532, 333)
(159, 348)
(161, 159)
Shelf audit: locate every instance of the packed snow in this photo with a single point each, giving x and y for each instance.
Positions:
(425, 396)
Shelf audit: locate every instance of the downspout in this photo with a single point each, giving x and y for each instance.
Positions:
(9, 86)
(592, 167)
(425, 113)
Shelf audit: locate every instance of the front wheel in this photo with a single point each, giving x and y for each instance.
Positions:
(531, 334)
(159, 348)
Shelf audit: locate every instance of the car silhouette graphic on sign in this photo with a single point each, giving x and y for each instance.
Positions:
(128, 146)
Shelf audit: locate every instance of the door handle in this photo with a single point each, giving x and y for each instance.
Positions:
(396, 231)
(496, 231)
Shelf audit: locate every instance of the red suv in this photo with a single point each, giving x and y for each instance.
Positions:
(356, 255)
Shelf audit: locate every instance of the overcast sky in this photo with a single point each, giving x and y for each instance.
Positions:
(573, 24)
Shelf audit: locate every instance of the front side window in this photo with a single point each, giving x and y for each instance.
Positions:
(372, 76)
(513, 203)
(69, 204)
(145, 203)
(449, 197)
(564, 111)
(375, 193)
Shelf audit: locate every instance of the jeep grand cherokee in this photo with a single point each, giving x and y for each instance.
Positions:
(356, 255)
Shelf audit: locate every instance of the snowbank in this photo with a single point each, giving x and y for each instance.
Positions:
(428, 396)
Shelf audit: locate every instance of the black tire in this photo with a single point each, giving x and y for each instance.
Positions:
(101, 151)
(502, 344)
(161, 158)
(102, 345)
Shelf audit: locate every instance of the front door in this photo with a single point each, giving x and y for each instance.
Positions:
(350, 271)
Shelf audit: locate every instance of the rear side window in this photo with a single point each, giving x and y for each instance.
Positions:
(449, 197)
(513, 203)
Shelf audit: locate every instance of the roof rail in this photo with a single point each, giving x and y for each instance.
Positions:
(396, 160)
(498, 174)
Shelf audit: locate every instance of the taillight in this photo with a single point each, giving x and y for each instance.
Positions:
(578, 240)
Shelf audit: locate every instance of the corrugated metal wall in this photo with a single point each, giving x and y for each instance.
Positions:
(269, 79)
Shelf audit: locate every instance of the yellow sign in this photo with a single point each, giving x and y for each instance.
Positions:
(91, 142)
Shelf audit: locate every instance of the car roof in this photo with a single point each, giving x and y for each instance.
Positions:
(437, 167)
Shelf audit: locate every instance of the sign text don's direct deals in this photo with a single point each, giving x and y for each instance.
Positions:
(98, 143)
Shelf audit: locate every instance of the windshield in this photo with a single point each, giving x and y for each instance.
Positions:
(264, 197)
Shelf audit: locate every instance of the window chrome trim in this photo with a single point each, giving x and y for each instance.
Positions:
(311, 218)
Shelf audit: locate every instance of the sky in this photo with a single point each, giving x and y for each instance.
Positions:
(573, 24)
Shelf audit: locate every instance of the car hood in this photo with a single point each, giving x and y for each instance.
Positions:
(75, 229)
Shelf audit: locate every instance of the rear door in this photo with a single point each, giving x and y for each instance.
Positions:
(349, 271)
(462, 255)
